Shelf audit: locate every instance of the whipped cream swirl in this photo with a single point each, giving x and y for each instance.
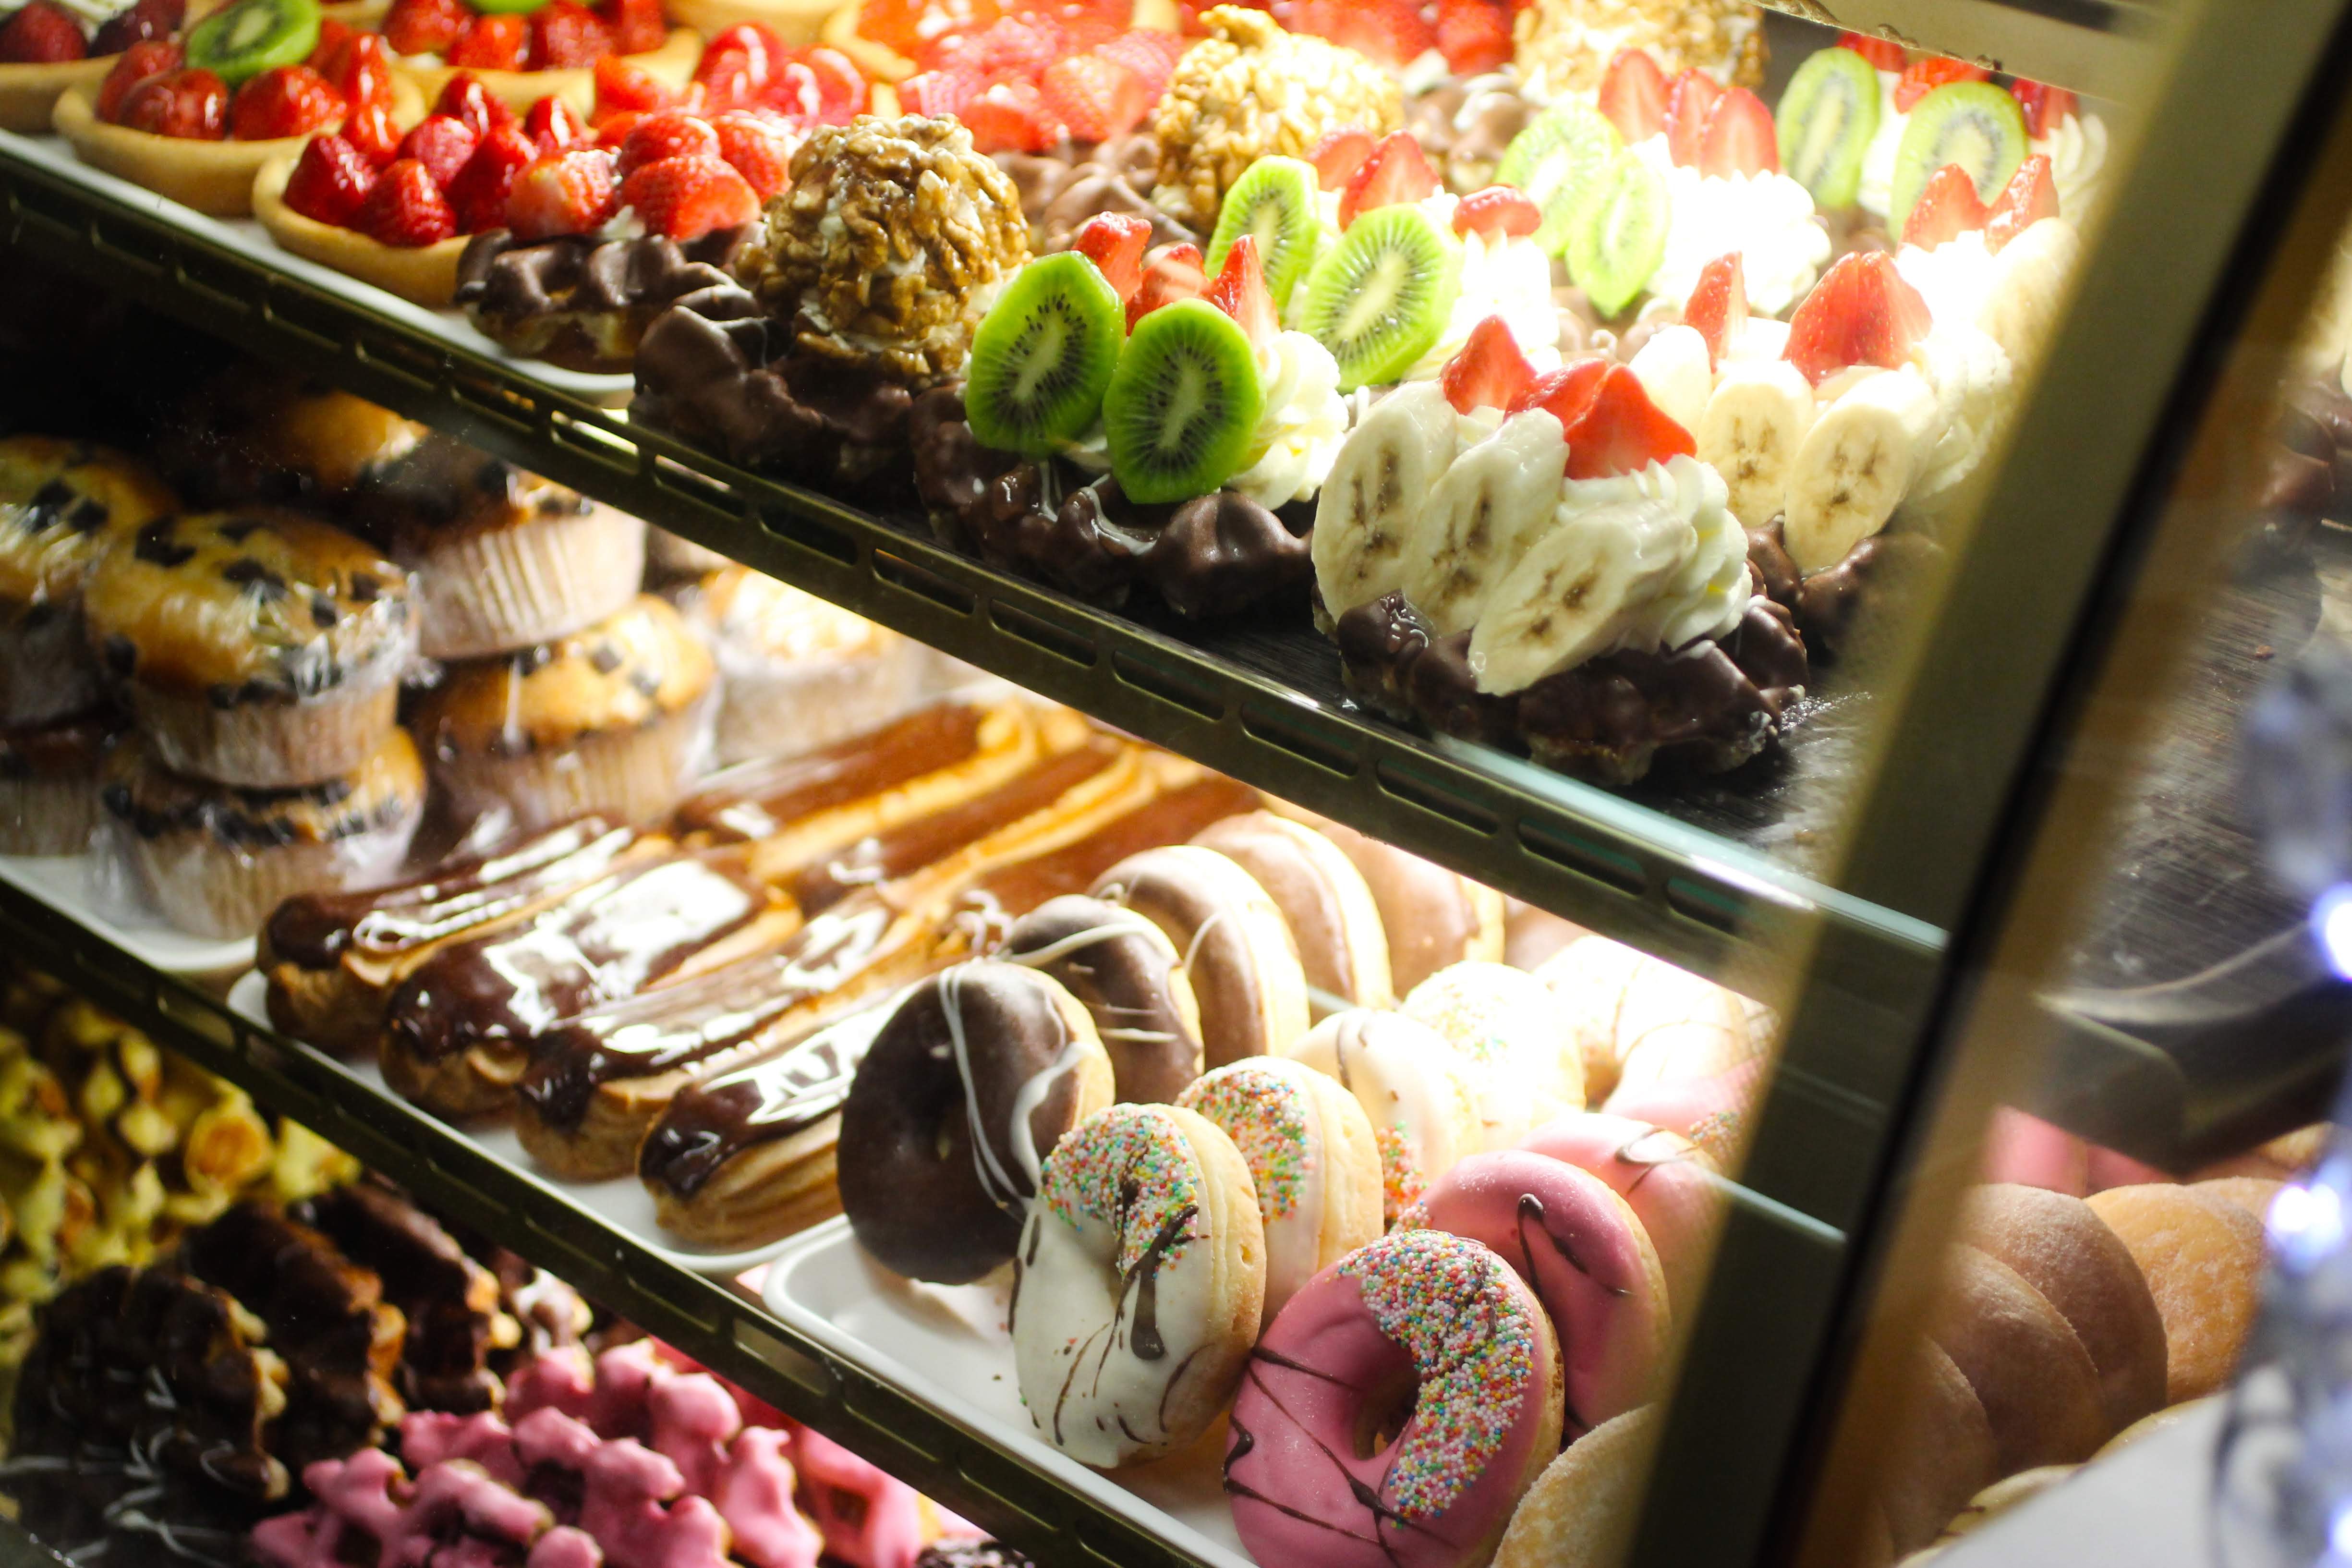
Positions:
(1304, 424)
(1767, 218)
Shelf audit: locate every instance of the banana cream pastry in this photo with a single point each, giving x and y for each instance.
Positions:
(62, 503)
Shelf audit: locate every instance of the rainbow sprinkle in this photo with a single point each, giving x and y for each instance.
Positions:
(1482, 1015)
(1127, 1166)
(1449, 1302)
(1401, 1182)
(1266, 1116)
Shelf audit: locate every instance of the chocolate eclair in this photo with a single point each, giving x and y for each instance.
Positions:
(582, 301)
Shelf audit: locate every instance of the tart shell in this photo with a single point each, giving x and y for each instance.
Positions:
(29, 93)
(795, 21)
(425, 274)
(674, 63)
(216, 177)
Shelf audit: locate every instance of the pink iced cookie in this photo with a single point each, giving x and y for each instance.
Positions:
(754, 1496)
(1422, 1333)
(691, 1419)
(558, 1379)
(1669, 1181)
(869, 1519)
(429, 1437)
(1592, 1265)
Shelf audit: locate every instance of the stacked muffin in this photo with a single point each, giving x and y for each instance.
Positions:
(795, 671)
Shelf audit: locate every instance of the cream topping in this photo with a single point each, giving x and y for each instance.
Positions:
(1304, 424)
(2077, 150)
(1878, 159)
(1766, 218)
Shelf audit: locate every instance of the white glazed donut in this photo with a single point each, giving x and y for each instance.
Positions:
(1138, 1284)
(1508, 1025)
(1640, 1021)
(1418, 1094)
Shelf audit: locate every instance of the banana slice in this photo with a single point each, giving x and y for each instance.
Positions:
(1675, 368)
(1497, 499)
(1577, 591)
(2028, 289)
(1854, 465)
(1377, 487)
(1752, 429)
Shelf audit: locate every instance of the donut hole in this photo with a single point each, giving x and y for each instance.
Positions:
(948, 1133)
(1390, 1396)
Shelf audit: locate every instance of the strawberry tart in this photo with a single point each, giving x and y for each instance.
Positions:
(46, 47)
(525, 51)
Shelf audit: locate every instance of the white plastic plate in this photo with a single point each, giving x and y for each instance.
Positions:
(68, 883)
(623, 1203)
(947, 1346)
(247, 237)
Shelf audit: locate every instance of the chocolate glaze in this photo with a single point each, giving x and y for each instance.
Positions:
(1838, 608)
(969, 1555)
(1124, 974)
(519, 292)
(609, 938)
(451, 1302)
(755, 799)
(1061, 189)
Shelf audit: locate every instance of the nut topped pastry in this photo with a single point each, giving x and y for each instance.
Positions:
(1251, 91)
(890, 231)
(61, 504)
(1566, 45)
(259, 647)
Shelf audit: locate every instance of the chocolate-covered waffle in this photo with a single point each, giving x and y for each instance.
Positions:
(580, 301)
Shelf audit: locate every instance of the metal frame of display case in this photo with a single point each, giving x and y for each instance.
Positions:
(1781, 1304)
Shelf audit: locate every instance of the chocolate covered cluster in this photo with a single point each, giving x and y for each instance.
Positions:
(1464, 124)
(582, 301)
(1840, 609)
(1060, 190)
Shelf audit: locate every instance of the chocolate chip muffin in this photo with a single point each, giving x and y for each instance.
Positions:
(61, 504)
(256, 433)
(259, 647)
(613, 719)
(795, 671)
(49, 777)
(217, 858)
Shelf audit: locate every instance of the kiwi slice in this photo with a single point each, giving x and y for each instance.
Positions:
(1974, 124)
(254, 36)
(1557, 160)
(1381, 297)
(1183, 405)
(1827, 118)
(506, 8)
(1042, 355)
(1274, 200)
(1621, 235)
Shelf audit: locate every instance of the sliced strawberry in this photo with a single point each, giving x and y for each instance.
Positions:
(499, 43)
(479, 195)
(1490, 369)
(563, 193)
(1239, 290)
(1564, 393)
(329, 181)
(2044, 105)
(442, 143)
(1740, 138)
(1142, 52)
(1474, 36)
(670, 134)
(637, 26)
(147, 21)
(1496, 213)
(1115, 243)
(1717, 306)
(613, 130)
(41, 33)
(939, 94)
(1948, 205)
(792, 92)
(465, 97)
(369, 128)
(1861, 312)
(424, 27)
(1095, 97)
(1633, 95)
(1170, 273)
(757, 148)
(1397, 172)
(622, 88)
(739, 65)
(192, 105)
(564, 37)
(1388, 32)
(553, 125)
(686, 198)
(1011, 117)
(405, 208)
(139, 62)
(288, 100)
(1883, 54)
(1338, 155)
(360, 70)
(1689, 97)
(1921, 78)
(2031, 195)
(1621, 431)
(842, 93)
(332, 36)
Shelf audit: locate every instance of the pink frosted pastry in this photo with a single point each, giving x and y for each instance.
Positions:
(1592, 1266)
(1713, 1112)
(561, 1378)
(1667, 1179)
(429, 1437)
(1421, 1332)
(754, 1495)
(869, 1519)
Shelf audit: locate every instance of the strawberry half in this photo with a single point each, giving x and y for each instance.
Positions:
(564, 35)
(405, 208)
(1883, 54)
(669, 133)
(1239, 290)
(1388, 32)
(2031, 195)
(424, 27)
(1948, 207)
(1717, 307)
(1011, 117)
(1094, 97)
(286, 100)
(147, 21)
(841, 88)
(940, 94)
(1564, 393)
(756, 148)
(1496, 213)
(1115, 243)
(1397, 172)
(139, 62)
(1921, 78)
(1739, 138)
(688, 198)
(563, 193)
(442, 143)
(1633, 95)
(465, 97)
(624, 88)
(1169, 274)
(1489, 371)
(553, 125)
(1338, 155)
(637, 26)
(369, 127)
(190, 104)
(1150, 60)
(360, 70)
(41, 34)
(479, 195)
(329, 181)
(2044, 105)
(492, 44)
(1861, 312)
(1474, 36)
(1621, 431)
(1689, 97)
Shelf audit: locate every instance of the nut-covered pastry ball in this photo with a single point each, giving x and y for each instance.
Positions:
(1567, 45)
(881, 250)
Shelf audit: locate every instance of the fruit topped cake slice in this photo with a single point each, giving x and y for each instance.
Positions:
(523, 51)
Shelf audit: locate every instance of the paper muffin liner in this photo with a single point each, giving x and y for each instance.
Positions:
(211, 887)
(769, 706)
(486, 591)
(54, 814)
(633, 775)
(46, 669)
(266, 744)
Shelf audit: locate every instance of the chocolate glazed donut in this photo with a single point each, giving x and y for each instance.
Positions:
(963, 1093)
(1126, 974)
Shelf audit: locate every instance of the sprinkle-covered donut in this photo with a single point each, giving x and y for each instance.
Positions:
(1137, 1290)
(1592, 1265)
(1127, 974)
(1396, 1411)
(1418, 1094)
(1311, 1157)
(1342, 945)
(1508, 1025)
(1237, 949)
(1670, 1182)
(960, 1098)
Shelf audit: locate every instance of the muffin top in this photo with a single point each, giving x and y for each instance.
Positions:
(758, 614)
(62, 503)
(152, 801)
(259, 434)
(248, 604)
(629, 670)
(442, 486)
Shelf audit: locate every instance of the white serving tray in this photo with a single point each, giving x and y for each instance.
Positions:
(68, 883)
(947, 1346)
(622, 1202)
(247, 237)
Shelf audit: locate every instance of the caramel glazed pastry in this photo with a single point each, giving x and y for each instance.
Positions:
(62, 504)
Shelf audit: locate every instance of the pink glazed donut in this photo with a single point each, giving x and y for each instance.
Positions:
(1396, 1411)
(1592, 1268)
(1669, 1181)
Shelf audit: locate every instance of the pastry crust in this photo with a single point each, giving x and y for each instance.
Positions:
(674, 63)
(29, 93)
(795, 21)
(422, 275)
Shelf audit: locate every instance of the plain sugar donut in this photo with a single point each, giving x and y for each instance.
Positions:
(1139, 1285)
(2038, 1385)
(1237, 949)
(1342, 945)
(1506, 1024)
(962, 1094)
(1578, 1245)
(1127, 974)
(1582, 1511)
(2203, 1259)
(1417, 1093)
(1396, 1411)
(1433, 917)
(1670, 1182)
